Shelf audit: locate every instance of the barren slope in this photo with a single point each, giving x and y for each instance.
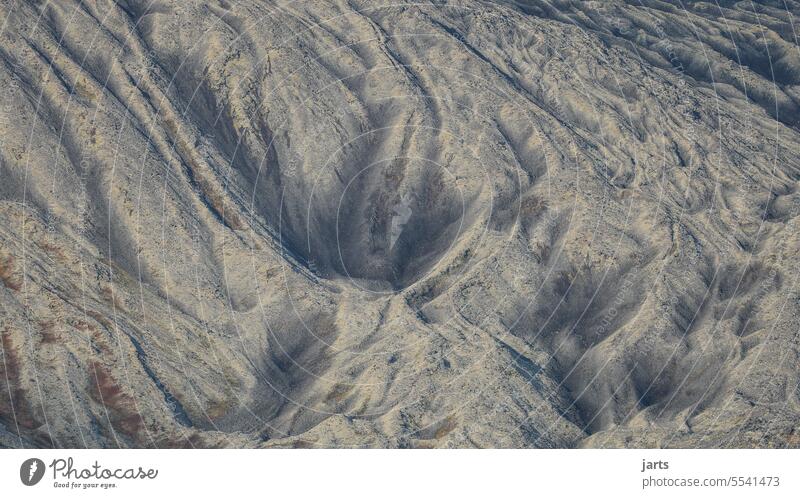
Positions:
(397, 224)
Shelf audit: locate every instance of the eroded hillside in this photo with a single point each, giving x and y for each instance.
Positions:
(399, 224)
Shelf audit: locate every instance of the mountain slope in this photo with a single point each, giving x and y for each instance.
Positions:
(340, 224)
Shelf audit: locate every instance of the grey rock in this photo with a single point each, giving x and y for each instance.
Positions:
(398, 224)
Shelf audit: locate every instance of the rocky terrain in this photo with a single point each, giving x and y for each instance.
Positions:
(352, 223)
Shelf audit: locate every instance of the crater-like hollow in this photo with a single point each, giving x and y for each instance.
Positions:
(387, 225)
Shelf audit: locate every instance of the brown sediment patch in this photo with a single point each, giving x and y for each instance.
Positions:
(56, 252)
(301, 444)
(49, 334)
(121, 408)
(793, 439)
(14, 405)
(338, 393)
(431, 436)
(445, 427)
(423, 444)
(8, 274)
(112, 296)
